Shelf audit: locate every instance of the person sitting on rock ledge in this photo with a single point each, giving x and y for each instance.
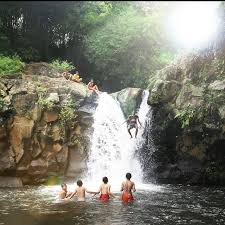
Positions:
(92, 87)
(67, 75)
(76, 78)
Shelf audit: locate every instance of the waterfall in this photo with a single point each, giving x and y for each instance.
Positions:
(148, 148)
(112, 153)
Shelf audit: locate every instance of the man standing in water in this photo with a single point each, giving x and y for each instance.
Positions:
(127, 187)
(132, 123)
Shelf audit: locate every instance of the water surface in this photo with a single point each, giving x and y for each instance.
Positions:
(164, 205)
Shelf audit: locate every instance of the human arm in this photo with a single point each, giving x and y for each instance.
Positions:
(133, 188)
(69, 194)
(121, 189)
(90, 86)
(139, 121)
(92, 192)
(72, 194)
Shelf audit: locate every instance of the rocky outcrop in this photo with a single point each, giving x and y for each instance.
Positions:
(45, 120)
(129, 99)
(188, 101)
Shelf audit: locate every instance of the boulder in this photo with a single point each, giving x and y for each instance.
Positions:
(189, 95)
(163, 91)
(50, 116)
(129, 100)
(53, 97)
(21, 128)
(14, 182)
(217, 85)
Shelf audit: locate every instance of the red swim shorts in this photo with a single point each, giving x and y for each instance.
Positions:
(104, 197)
(127, 197)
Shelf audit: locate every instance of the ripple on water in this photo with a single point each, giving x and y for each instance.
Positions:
(157, 205)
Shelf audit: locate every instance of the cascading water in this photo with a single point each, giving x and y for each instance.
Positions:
(112, 153)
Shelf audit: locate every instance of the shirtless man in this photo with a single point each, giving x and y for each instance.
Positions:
(80, 191)
(105, 190)
(127, 187)
(93, 87)
(132, 123)
(63, 194)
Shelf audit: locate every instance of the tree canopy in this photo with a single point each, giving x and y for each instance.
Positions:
(118, 43)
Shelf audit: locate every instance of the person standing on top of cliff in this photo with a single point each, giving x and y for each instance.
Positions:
(132, 122)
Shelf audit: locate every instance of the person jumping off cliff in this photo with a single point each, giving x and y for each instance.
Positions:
(132, 122)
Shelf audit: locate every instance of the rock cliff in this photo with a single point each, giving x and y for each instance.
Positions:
(188, 101)
(45, 125)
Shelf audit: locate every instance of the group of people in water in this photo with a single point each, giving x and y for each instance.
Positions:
(127, 188)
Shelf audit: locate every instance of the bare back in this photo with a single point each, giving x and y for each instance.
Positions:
(81, 192)
(62, 194)
(105, 189)
(128, 186)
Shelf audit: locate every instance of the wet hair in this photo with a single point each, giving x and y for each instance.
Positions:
(128, 176)
(63, 185)
(105, 180)
(79, 183)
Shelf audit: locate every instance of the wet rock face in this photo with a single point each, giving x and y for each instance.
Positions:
(188, 101)
(129, 99)
(39, 131)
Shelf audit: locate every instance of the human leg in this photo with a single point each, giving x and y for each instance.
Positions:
(130, 132)
(136, 131)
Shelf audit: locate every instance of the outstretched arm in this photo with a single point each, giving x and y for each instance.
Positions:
(139, 122)
(110, 193)
(125, 121)
(71, 195)
(92, 192)
(96, 192)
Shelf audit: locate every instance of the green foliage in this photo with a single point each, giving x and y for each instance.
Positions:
(28, 54)
(2, 103)
(43, 101)
(75, 140)
(62, 65)
(127, 48)
(220, 68)
(117, 43)
(67, 113)
(10, 65)
(208, 110)
(152, 81)
(187, 116)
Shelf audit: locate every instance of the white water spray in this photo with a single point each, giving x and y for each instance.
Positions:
(112, 153)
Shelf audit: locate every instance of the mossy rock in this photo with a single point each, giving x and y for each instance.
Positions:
(129, 99)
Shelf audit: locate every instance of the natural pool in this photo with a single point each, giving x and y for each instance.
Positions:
(164, 205)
